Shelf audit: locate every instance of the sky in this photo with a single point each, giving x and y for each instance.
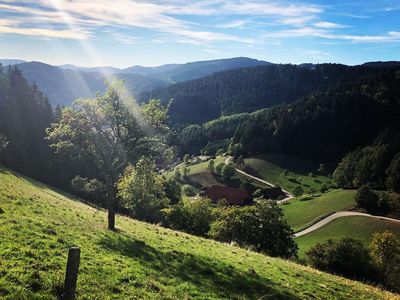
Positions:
(123, 33)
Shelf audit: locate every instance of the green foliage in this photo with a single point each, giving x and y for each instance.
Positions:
(385, 250)
(91, 188)
(367, 198)
(177, 173)
(347, 257)
(185, 172)
(298, 191)
(211, 165)
(172, 190)
(261, 227)
(186, 159)
(192, 216)
(393, 174)
(220, 152)
(188, 190)
(219, 167)
(324, 188)
(25, 113)
(142, 191)
(227, 171)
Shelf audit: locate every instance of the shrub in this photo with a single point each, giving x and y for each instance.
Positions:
(227, 171)
(218, 168)
(347, 257)
(385, 251)
(261, 227)
(298, 191)
(367, 198)
(192, 216)
(324, 188)
(188, 190)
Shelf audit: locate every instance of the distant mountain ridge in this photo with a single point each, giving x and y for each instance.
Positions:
(65, 83)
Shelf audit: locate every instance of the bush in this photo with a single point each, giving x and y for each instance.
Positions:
(367, 198)
(188, 190)
(261, 227)
(324, 188)
(218, 168)
(347, 257)
(211, 165)
(298, 191)
(220, 152)
(227, 171)
(192, 216)
(172, 190)
(385, 251)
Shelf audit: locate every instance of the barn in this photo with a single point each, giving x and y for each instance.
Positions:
(233, 196)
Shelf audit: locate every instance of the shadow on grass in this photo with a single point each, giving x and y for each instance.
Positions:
(214, 277)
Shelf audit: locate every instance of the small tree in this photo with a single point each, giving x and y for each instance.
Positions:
(192, 216)
(261, 227)
(367, 198)
(298, 191)
(188, 190)
(172, 190)
(185, 172)
(227, 171)
(211, 165)
(346, 256)
(92, 188)
(142, 191)
(220, 152)
(186, 159)
(321, 169)
(385, 251)
(393, 174)
(177, 173)
(218, 168)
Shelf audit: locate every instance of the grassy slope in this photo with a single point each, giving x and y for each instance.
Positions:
(301, 213)
(38, 225)
(270, 167)
(355, 227)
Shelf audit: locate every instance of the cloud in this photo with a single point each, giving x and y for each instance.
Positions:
(328, 25)
(389, 37)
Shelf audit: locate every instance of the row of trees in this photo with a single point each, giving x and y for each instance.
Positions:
(348, 257)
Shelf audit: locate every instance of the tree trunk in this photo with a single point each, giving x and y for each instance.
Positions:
(111, 217)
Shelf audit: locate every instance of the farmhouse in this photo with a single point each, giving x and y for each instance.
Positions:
(233, 196)
(274, 193)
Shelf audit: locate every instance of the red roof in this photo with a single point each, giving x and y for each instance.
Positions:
(232, 195)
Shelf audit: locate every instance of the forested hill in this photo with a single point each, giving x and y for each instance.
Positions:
(324, 125)
(249, 89)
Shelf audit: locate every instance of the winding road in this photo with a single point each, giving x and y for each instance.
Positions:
(320, 223)
(337, 215)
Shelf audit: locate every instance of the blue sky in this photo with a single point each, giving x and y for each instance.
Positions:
(122, 33)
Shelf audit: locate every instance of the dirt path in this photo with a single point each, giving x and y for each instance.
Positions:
(337, 215)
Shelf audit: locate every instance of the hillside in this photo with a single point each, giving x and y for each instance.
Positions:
(249, 89)
(38, 225)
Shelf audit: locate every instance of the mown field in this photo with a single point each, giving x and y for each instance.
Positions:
(139, 260)
(271, 167)
(358, 227)
(304, 211)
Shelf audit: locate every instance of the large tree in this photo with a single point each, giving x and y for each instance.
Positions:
(111, 132)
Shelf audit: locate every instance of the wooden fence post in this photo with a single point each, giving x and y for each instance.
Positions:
(71, 275)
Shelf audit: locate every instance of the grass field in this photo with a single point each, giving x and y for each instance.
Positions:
(271, 167)
(139, 261)
(358, 227)
(302, 212)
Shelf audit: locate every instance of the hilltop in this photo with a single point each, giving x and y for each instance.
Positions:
(38, 225)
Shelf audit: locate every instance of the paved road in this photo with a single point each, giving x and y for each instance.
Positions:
(337, 215)
(227, 161)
